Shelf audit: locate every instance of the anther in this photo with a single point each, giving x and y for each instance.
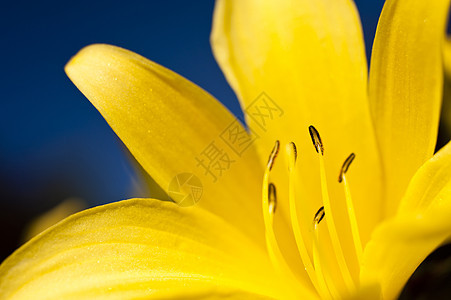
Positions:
(292, 155)
(319, 215)
(272, 198)
(295, 150)
(273, 155)
(345, 166)
(316, 139)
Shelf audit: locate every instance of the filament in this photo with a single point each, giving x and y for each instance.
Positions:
(268, 193)
(300, 242)
(350, 206)
(330, 219)
(323, 290)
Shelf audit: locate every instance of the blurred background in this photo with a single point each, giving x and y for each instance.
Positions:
(54, 144)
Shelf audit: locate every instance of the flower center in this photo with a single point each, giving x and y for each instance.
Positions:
(317, 270)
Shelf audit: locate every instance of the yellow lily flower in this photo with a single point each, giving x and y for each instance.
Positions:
(279, 228)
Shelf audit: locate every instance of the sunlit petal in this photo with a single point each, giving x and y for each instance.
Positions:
(406, 88)
(423, 222)
(431, 185)
(398, 246)
(308, 59)
(173, 127)
(137, 249)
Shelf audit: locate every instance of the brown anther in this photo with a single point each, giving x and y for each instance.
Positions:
(316, 139)
(319, 215)
(272, 198)
(273, 155)
(295, 150)
(345, 166)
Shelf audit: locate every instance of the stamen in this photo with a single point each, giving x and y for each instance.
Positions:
(345, 166)
(300, 242)
(319, 215)
(330, 220)
(268, 193)
(272, 198)
(316, 139)
(273, 155)
(323, 289)
(350, 206)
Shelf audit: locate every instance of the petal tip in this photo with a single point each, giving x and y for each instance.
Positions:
(85, 52)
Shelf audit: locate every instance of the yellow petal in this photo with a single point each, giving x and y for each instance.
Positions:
(406, 88)
(139, 248)
(423, 222)
(399, 245)
(431, 185)
(299, 63)
(173, 128)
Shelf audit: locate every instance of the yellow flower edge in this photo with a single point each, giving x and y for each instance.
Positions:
(137, 248)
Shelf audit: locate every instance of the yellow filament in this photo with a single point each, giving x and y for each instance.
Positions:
(323, 290)
(330, 282)
(332, 229)
(353, 220)
(274, 252)
(294, 217)
(271, 243)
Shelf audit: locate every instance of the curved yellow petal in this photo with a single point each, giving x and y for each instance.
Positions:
(406, 79)
(423, 222)
(431, 185)
(139, 248)
(175, 130)
(299, 63)
(399, 245)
